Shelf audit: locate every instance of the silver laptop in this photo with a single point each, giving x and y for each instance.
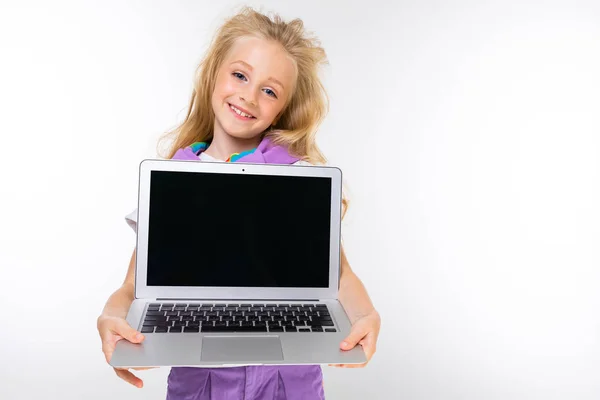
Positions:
(237, 264)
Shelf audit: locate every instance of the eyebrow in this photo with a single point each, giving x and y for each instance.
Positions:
(250, 68)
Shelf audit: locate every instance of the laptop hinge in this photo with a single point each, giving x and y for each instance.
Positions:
(198, 299)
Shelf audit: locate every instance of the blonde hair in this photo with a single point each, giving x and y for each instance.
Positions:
(305, 109)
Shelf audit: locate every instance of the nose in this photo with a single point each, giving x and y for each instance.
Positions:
(249, 96)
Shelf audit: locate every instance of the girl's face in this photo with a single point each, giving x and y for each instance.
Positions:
(252, 86)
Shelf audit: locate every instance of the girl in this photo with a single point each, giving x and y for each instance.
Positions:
(257, 98)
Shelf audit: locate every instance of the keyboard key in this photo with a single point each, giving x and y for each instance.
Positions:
(303, 330)
(191, 329)
(317, 329)
(275, 328)
(175, 329)
(330, 330)
(291, 329)
(233, 329)
(147, 329)
(161, 329)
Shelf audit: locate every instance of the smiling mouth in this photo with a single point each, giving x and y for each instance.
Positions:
(240, 112)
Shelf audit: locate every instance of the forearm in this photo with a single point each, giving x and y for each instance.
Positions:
(353, 294)
(119, 302)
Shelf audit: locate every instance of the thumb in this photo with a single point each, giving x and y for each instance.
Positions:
(125, 330)
(357, 333)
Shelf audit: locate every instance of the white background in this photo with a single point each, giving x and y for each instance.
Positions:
(468, 133)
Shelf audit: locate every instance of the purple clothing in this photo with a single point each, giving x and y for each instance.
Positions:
(285, 382)
(265, 153)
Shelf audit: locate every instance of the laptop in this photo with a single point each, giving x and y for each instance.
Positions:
(237, 264)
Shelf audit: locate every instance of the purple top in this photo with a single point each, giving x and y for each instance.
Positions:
(285, 382)
(265, 153)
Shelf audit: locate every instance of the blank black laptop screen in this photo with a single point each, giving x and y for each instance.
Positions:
(208, 229)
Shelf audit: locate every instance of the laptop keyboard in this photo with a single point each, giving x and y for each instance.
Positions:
(203, 317)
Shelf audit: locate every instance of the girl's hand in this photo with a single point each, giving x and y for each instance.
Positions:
(365, 331)
(111, 330)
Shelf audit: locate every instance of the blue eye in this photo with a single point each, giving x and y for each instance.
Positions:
(238, 75)
(272, 93)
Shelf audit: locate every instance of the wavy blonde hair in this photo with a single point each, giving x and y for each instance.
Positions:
(305, 108)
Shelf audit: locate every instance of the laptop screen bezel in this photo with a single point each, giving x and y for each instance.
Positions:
(142, 290)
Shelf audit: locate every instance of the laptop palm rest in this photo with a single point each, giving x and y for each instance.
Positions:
(241, 349)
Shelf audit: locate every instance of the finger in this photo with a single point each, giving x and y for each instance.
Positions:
(368, 345)
(356, 334)
(355, 365)
(129, 377)
(109, 342)
(348, 365)
(108, 350)
(126, 331)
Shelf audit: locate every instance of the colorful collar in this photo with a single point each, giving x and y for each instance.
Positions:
(266, 153)
(200, 147)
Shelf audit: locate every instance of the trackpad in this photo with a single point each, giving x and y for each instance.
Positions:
(241, 349)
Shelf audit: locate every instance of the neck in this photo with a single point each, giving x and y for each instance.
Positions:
(223, 145)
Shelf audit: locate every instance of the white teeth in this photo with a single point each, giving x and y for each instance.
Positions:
(243, 114)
